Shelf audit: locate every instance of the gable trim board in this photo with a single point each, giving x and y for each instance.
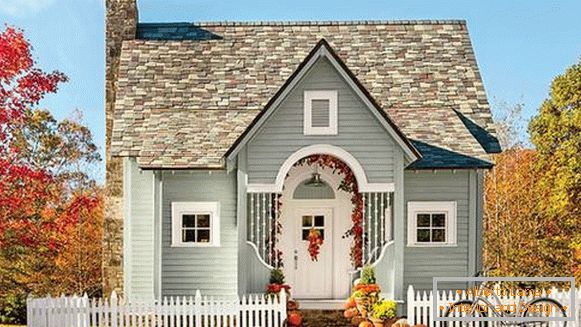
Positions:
(323, 49)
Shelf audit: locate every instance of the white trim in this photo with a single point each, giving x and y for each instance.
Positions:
(323, 52)
(159, 238)
(448, 207)
(127, 171)
(259, 256)
(309, 96)
(337, 152)
(211, 208)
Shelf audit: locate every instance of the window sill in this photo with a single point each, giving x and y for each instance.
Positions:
(186, 245)
(432, 245)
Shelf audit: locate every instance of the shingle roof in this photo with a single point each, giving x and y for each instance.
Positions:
(182, 103)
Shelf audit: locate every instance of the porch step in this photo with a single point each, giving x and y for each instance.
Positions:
(324, 318)
(309, 304)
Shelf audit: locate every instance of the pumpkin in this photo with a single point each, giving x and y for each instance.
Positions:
(401, 323)
(295, 319)
(365, 324)
(292, 305)
(349, 313)
(350, 303)
(355, 321)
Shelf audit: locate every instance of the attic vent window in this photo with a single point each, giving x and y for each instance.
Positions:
(320, 113)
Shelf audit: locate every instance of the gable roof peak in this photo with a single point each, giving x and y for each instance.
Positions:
(320, 50)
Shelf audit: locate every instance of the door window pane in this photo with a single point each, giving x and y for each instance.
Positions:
(319, 221)
(307, 221)
(310, 221)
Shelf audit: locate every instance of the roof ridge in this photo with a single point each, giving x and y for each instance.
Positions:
(312, 23)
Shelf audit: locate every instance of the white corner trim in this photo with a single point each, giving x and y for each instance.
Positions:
(309, 96)
(127, 171)
(449, 207)
(179, 208)
(337, 152)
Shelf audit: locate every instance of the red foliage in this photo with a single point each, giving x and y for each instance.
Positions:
(42, 245)
(276, 288)
(21, 84)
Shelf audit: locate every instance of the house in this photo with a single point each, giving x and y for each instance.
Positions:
(238, 140)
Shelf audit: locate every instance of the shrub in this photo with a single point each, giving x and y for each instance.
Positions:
(276, 276)
(368, 275)
(13, 309)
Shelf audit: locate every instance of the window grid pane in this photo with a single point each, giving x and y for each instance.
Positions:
(201, 233)
(431, 227)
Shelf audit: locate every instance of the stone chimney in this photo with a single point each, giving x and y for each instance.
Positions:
(120, 25)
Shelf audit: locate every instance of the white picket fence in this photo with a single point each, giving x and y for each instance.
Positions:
(197, 311)
(419, 306)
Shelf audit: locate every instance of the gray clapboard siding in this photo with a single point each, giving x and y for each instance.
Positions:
(211, 270)
(359, 132)
(424, 263)
(140, 229)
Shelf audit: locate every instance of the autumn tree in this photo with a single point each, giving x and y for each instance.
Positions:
(533, 196)
(50, 208)
(556, 134)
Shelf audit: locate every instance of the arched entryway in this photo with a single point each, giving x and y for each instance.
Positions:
(326, 208)
(353, 215)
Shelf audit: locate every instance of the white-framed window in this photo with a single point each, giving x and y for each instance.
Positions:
(431, 223)
(320, 113)
(195, 224)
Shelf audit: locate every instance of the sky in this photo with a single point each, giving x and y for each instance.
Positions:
(520, 45)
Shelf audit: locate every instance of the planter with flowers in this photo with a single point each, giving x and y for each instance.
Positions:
(275, 285)
(365, 294)
(384, 313)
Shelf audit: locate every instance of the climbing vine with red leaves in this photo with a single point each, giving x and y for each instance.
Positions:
(349, 185)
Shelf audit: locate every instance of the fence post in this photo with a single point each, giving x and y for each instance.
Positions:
(29, 319)
(114, 309)
(282, 303)
(410, 305)
(198, 308)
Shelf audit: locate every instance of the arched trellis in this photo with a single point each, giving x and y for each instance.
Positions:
(371, 216)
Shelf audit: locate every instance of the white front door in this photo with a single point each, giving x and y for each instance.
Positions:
(313, 279)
